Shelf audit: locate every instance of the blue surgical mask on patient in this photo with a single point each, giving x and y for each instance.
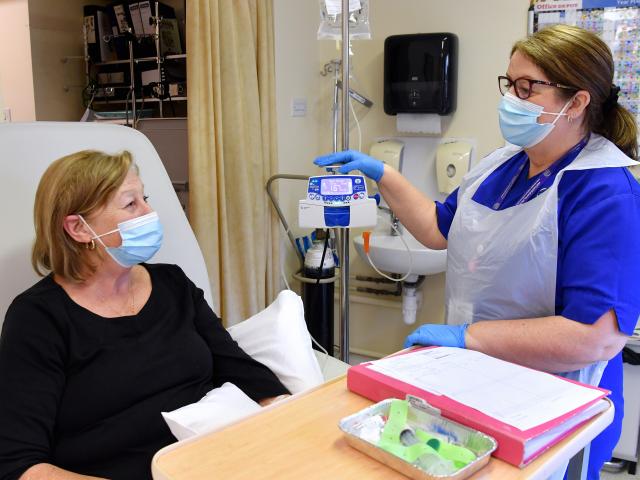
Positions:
(141, 239)
(519, 121)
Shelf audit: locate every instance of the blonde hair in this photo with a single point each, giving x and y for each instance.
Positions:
(77, 184)
(573, 56)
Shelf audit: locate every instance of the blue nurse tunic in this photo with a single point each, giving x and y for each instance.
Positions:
(598, 256)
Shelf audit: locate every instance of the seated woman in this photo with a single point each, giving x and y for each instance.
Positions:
(92, 353)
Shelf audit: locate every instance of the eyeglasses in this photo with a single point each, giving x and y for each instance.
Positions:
(523, 86)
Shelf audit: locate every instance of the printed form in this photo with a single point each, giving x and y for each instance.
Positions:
(516, 395)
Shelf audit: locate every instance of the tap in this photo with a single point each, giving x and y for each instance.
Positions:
(395, 222)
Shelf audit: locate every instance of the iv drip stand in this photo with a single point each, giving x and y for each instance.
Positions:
(343, 237)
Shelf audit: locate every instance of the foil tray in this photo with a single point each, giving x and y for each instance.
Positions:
(420, 415)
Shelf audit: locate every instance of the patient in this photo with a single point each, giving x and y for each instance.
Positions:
(92, 353)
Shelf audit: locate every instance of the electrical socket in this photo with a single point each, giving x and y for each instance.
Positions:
(5, 115)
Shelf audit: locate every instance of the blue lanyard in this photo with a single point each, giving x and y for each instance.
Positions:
(542, 179)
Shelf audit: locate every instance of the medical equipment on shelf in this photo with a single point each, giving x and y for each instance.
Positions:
(337, 201)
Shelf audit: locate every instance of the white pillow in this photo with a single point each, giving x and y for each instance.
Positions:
(217, 408)
(278, 338)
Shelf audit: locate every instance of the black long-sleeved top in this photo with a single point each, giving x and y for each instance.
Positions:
(84, 392)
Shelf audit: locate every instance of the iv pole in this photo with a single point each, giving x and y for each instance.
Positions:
(343, 237)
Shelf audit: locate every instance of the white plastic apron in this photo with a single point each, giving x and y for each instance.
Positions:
(502, 264)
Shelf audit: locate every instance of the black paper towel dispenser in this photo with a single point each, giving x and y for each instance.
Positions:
(420, 73)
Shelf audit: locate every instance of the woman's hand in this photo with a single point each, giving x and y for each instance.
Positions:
(353, 160)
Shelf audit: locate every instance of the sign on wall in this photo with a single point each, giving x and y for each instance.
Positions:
(617, 22)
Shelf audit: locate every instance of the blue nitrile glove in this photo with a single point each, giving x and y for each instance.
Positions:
(353, 160)
(438, 335)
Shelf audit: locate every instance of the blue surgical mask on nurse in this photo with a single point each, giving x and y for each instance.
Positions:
(519, 120)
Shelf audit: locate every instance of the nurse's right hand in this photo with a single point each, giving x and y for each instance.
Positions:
(353, 160)
(438, 335)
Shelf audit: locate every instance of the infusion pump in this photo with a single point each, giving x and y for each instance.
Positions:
(337, 201)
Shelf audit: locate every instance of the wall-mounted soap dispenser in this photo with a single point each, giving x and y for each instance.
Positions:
(389, 152)
(420, 73)
(453, 160)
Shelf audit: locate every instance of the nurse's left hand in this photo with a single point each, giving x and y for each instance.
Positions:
(353, 160)
(438, 335)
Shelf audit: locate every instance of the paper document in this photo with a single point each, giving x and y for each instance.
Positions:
(516, 395)
(538, 443)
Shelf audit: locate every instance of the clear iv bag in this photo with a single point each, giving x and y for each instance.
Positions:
(331, 20)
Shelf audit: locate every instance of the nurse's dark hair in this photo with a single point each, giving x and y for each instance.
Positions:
(77, 184)
(573, 56)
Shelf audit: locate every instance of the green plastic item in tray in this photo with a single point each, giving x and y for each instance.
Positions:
(410, 444)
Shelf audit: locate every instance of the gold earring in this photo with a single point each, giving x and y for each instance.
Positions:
(90, 245)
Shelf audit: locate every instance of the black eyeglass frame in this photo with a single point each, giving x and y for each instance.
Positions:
(512, 83)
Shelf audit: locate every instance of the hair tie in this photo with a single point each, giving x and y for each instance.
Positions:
(612, 99)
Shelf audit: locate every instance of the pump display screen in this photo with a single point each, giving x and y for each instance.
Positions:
(336, 186)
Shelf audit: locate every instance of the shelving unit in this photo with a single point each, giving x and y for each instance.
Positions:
(140, 60)
(140, 100)
(160, 89)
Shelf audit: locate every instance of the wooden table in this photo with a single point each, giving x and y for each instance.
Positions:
(299, 438)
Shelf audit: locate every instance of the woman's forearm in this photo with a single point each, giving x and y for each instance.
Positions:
(46, 471)
(416, 212)
(552, 344)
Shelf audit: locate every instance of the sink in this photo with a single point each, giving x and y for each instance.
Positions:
(389, 254)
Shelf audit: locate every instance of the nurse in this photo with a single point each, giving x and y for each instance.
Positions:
(543, 235)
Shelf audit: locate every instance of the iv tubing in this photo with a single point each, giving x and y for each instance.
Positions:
(355, 117)
(410, 259)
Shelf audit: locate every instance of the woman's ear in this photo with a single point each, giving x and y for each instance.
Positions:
(76, 229)
(580, 102)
